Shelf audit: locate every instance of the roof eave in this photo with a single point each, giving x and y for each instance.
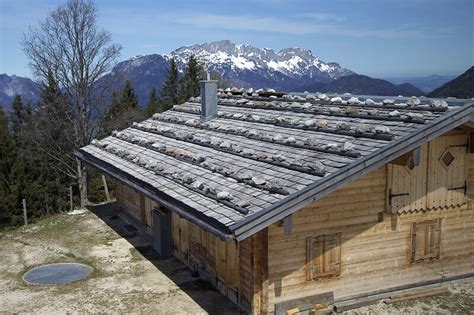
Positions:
(149, 191)
(258, 221)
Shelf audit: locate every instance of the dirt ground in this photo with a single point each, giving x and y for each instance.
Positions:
(127, 277)
(458, 300)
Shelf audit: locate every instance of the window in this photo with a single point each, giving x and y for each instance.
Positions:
(323, 256)
(447, 158)
(411, 163)
(425, 240)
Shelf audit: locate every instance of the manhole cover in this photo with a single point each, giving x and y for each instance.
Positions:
(57, 273)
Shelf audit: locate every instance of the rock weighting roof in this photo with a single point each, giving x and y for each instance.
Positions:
(262, 158)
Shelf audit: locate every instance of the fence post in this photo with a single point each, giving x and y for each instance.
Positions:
(106, 188)
(70, 198)
(25, 216)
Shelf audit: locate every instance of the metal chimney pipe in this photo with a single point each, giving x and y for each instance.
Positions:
(208, 99)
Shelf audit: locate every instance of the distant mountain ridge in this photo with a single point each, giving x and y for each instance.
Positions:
(240, 65)
(460, 87)
(426, 83)
(283, 69)
(361, 84)
(12, 85)
(290, 70)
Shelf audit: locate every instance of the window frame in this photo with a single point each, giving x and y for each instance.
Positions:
(325, 241)
(426, 227)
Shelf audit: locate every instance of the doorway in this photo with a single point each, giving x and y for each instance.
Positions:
(162, 232)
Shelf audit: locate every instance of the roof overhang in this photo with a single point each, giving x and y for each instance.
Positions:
(166, 201)
(258, 221)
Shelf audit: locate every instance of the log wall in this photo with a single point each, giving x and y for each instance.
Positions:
(375, 245)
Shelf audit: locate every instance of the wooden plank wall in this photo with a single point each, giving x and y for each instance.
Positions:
(470, 177)
(130, 201)
(375, 255)
(218, 259)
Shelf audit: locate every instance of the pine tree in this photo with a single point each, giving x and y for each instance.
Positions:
(114, 107)
(52, 142)
(169, 92)
(152, 106)
(129, 99)
(189, 83)
(18, 117)
(7, 160)
(121, 113)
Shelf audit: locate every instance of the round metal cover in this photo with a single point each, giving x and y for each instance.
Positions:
(59, 273)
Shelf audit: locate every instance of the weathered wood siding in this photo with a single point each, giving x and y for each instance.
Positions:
(218, 259)
(375, 255)
(130, 201)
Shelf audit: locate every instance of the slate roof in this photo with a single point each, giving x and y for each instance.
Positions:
(231, 174)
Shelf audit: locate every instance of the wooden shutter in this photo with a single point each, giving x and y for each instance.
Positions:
(425, 243)
(433, 235)
(323, 256)
(407, 185)
(332, 255)
(315, 257)
(447, 184)
(417, 242)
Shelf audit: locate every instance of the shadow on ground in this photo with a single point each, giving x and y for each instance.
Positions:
(201, 291)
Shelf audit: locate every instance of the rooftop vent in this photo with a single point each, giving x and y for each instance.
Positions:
(208, 99)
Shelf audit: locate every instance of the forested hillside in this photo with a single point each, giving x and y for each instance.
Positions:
(460, 87)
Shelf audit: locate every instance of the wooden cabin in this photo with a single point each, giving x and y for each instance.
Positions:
(287, 202)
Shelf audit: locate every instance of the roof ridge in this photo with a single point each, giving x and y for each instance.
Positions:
(330, 150)
(355, 133)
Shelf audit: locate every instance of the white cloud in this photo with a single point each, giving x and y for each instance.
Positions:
(324, 17)
(317, 24)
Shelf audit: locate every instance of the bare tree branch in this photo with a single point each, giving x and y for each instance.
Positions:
(70, 45)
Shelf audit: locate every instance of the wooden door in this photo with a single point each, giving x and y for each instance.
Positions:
(162, 232)
(407, 184)
(447, 171)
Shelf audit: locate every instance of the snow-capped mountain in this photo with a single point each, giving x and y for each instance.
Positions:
(261, 67)
(12, 85)
(290, 69)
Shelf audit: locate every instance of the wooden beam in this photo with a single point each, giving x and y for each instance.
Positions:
(106, 188)
(288, 224)
(417, 156)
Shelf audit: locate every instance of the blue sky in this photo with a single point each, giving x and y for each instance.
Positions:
(381, 38)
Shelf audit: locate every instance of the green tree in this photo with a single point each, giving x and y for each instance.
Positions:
(169, 92)
(69, 44)
(152, 106)
(121, 112)
(7, 161)
(129, 99)
(114, 107)
(189, 83)
(20, 116)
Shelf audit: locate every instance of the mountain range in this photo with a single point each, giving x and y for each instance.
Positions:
(461, 87)
(290, 69)
(10, 86)
(426, 83)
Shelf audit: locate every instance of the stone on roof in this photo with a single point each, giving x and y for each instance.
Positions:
(261, 148)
